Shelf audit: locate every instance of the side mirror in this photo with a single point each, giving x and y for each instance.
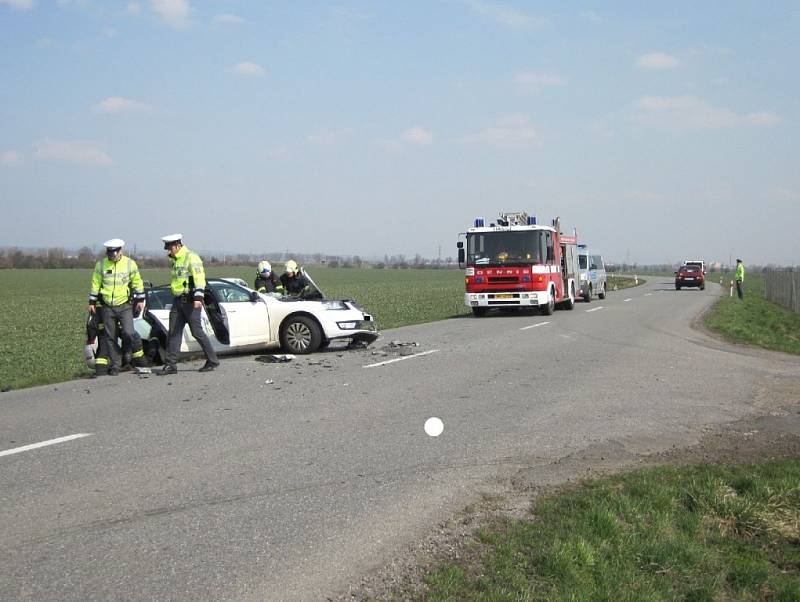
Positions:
(461, 256)
(253, 296)
(460, 244)
(676, 273)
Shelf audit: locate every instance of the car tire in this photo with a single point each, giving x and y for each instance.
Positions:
(300, 335)
(703, 287)
(587, 297)
(677, 287)
(602, 293)
(548, 309)
(479, 312)
(570, 303)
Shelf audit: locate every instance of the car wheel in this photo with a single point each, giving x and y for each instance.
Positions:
(587, 297)
(677, 287)
(551, 304)
(479, 312)
(570, 303)
(301, 335)
(703, 286)
(602, 293)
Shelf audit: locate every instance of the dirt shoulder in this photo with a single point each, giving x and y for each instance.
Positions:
(773, 434)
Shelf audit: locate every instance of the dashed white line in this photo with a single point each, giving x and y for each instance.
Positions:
(647, 294)
(594, 309)
(626, 300)
(25, 448)
(534, 325)
(400, 359)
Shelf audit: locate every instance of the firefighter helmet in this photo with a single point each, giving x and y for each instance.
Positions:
(291, 267)
(264, 268)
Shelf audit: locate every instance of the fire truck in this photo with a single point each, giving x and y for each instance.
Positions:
(515, 263)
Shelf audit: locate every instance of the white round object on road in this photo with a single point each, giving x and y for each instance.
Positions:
(434, 427)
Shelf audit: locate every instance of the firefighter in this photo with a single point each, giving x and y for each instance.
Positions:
(740, 279)
(95, 332)
(188, 283)
(294, 282)
(115, 283)
(266, 280)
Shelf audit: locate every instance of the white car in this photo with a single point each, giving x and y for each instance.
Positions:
(237, 318)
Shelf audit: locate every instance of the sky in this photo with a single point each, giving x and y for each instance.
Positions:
(661, 131)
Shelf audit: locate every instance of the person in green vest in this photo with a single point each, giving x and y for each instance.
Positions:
(118, 290)
(188, 284)
(740, 279)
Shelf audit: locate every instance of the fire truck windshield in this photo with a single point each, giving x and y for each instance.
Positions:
(507, 247)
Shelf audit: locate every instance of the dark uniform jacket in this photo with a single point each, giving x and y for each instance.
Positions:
(270, 284)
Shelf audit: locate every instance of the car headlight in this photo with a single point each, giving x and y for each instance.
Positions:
(334, 305)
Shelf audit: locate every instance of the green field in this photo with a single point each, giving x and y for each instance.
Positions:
(43, 315)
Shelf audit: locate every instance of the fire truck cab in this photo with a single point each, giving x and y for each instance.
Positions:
(517, 263)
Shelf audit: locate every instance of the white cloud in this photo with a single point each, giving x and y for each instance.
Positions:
(228, 19)
(117, 104)
(173, 12)
(657, 60)
(418, 135)
(18, 4)
(528, 83)
(691, 112)
(83, 152)
(510, 131)
(251, 69)
(10, 158)
(506, 15)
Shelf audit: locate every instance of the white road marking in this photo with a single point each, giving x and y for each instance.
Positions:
(647, 294)
(626, 300)
(534, 325)
(594, 309)
(25, 448)
(400, 359)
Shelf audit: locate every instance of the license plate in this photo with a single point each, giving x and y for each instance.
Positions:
(688, 278)
(504, 296)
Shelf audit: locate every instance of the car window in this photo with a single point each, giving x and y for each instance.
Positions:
(583, 261)
(159, 298)
(597, 260)
(229, 293)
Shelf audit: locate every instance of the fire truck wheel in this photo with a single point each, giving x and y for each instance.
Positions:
(602, 293)
(587, 296)
(479, 312)
(551, 304)
(570, 302)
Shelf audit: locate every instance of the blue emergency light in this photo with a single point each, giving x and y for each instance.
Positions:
(479, 222)
(531, 220)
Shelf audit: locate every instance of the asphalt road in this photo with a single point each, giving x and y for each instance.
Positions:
(224, 486)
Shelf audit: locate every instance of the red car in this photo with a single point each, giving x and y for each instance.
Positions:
(690, 275)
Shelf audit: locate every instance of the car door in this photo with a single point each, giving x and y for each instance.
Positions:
(247, 320)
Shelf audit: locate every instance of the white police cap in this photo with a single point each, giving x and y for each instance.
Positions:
(114, 243)
(171, 238)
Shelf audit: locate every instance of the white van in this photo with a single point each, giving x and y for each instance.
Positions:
(591, 274)
(698, 262)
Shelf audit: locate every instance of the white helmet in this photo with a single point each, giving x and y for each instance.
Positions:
(291, 267)
(264, 268)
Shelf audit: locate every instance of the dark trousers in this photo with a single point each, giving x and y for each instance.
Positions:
(740, 289)
(123, 313)
(181, 314)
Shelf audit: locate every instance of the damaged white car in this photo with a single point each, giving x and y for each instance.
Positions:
(237, 318)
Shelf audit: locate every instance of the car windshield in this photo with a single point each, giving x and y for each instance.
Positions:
(159, 298)
(507, 247)
(691, 268)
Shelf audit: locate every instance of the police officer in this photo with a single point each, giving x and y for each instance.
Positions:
(266, 280)
(115, 282)
(740, 279)
(188, 283)
(294, 282)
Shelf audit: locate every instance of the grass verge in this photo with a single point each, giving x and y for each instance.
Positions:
(755, 321)
(697, 533)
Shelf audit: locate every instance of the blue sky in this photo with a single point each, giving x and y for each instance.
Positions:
(661, 131)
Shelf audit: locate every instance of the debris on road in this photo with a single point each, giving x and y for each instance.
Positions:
(276, 358)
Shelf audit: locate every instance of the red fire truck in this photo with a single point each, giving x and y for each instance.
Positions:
(517, 263)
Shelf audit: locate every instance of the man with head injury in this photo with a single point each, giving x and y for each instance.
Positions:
(117, 292)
